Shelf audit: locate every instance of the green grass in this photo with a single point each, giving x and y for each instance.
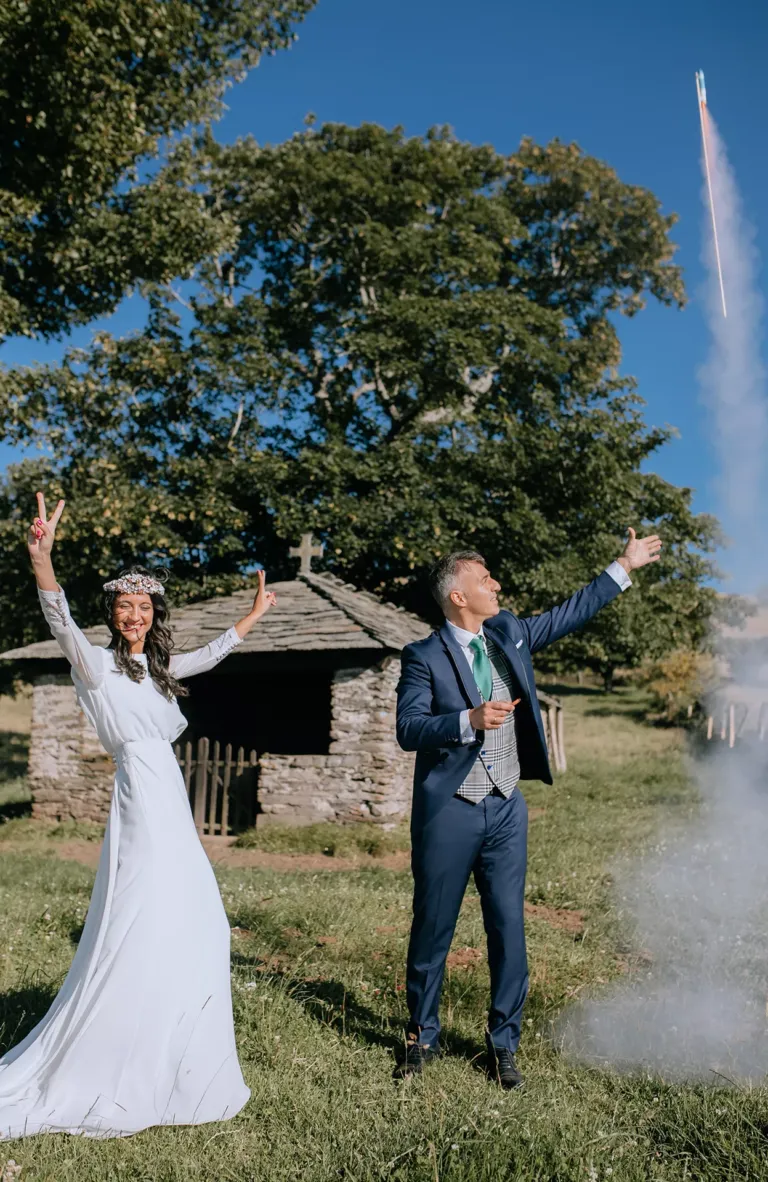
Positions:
(38, 835)
(317, 981)
(340, 841)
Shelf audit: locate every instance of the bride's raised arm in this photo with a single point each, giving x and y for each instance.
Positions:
(86, 659)
(203, 659)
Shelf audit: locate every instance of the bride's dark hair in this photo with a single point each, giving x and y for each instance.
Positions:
(158, 643)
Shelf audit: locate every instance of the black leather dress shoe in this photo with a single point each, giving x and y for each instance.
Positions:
(502, 1067)
(417, 1057)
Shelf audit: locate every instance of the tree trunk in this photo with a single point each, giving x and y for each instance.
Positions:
(608, 680)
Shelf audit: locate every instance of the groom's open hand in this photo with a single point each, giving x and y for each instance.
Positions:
(639, 551)
(491, 715)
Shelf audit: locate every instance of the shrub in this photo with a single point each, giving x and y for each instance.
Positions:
(679, 682)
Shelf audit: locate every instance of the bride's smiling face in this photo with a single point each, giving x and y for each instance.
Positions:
(133, 616)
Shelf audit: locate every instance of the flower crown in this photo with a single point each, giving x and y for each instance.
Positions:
(135, 584)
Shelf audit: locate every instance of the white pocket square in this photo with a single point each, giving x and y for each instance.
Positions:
(518, 644)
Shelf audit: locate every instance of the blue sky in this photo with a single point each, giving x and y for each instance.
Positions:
(616, 78)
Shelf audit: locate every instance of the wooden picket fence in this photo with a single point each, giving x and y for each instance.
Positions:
(553, 718)
(727, 722)
(221, 786)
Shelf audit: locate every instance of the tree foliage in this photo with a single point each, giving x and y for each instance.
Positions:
(88, 91)
(406, 345)
(680, 682)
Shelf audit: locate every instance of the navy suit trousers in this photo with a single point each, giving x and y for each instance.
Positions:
(489, 840)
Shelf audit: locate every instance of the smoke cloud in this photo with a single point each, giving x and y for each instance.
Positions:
(695, 1006)
(733, 378)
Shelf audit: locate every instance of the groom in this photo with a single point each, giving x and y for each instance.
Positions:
(467, 704)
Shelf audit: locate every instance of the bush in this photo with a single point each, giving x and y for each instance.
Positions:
(679, 682)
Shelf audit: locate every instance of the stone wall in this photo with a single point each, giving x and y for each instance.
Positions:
(365, 776)
(70, 774)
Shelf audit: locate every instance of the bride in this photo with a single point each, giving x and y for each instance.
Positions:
(141, 1032)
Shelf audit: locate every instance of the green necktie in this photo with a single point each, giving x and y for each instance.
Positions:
(481, 669)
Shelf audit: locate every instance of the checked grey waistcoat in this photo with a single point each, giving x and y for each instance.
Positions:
(497, 765)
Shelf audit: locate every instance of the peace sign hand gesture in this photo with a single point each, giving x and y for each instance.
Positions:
(262, 602)
(264, 599)
(42, 531)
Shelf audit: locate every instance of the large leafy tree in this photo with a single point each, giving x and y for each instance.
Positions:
(89, 90)
(407, 345)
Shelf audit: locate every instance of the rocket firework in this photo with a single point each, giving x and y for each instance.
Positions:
(701, 94)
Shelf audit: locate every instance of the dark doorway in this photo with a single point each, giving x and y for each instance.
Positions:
(280, 713)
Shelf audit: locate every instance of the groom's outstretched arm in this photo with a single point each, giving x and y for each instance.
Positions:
(418, 729)
(575, 612)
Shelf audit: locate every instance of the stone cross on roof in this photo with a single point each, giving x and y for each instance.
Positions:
(306, 552)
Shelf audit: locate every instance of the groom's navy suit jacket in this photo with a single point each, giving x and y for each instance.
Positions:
(436, 686)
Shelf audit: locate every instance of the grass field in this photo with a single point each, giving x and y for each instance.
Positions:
(318, 960)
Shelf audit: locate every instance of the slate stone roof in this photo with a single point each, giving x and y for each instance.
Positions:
(314, 612)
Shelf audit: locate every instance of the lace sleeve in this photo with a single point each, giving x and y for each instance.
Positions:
(203, 659)
(86, 659)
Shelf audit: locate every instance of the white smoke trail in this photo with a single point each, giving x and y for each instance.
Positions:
(696, 1005)
(733, 378)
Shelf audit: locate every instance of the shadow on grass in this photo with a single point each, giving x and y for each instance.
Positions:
(20, 1011)
(608, 710)
(333, 1004)
(559, 690)
(626, 701)
(13, 809)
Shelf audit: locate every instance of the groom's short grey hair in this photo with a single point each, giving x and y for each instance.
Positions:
(442, 577)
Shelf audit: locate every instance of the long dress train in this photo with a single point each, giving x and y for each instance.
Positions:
(141, 1032)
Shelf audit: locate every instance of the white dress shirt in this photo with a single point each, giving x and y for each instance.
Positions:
(464, 639)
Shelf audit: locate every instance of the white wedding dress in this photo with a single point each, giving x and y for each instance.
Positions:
(141, 1032)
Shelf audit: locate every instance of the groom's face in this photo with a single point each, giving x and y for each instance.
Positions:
(476, 591)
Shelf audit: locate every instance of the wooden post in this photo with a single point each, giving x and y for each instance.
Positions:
(238, 800)
(552, 727)
(731, 724)
(214, 800)
(201, 778)
(254, 762)
(557, 715)
(188, 770)
(225, 790)
(553, 723)
(561, 739)
(710, 726)
(762, 720)
(741, 713)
